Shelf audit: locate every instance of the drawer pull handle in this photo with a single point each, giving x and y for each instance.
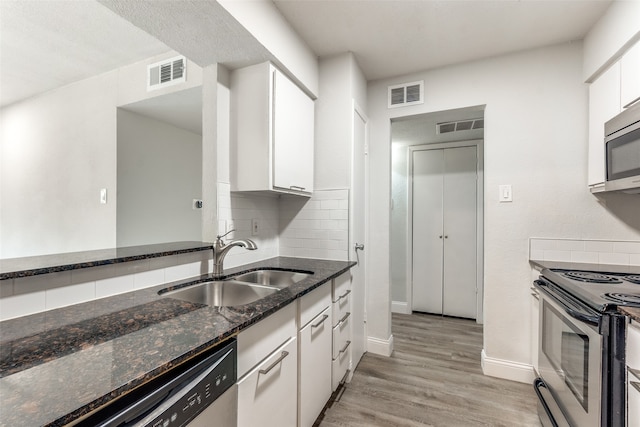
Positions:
(344, 319)
(274, 364)
(635, 385)
(343, 295)
(535, 295)
(346, 346)
(321, 321)
(635, 372)
(297, 187)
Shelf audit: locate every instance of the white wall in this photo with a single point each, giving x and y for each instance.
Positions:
(535, 140)
(159, 175)
(58, 150)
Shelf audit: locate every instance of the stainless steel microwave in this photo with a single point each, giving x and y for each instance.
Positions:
(622, 151)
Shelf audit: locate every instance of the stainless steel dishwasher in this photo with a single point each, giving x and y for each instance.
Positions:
(199, 393)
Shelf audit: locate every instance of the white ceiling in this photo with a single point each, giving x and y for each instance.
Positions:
(391, 38)
(48, 44)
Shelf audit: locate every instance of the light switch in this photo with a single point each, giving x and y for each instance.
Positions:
(255, 227)
(505, 193)
(103, 196)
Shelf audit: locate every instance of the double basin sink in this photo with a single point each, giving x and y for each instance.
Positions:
(239, 290)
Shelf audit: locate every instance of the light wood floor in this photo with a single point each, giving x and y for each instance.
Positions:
(433, 378)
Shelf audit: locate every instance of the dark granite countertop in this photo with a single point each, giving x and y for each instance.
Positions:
(611, 268)
(59, 365)
(11, 268)
(632, 312)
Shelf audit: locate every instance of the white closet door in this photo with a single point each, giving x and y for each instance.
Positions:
(460, 198)
(428, 168)
(444, 231)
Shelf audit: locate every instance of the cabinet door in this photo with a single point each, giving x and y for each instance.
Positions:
(267, 395)
(293, 122)
(630, 76)
(604, 103)
(315, 368)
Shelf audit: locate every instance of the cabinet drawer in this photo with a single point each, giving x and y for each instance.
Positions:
(341, 335)
(256, 342)
(340, 366)
(315, 368)
(267, 394)
(341, 296)
(313, 303)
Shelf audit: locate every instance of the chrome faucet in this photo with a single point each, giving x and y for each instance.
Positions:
(220, 250)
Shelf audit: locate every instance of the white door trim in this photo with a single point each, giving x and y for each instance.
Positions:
(479, 144)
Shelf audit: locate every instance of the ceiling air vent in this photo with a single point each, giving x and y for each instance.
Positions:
(406, 94)
(447, 127)
(166, 73)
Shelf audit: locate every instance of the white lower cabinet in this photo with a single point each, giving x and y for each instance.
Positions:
(267, 394)
(633, 374)
(314, 344)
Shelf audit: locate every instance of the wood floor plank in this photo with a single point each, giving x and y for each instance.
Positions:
(433, 378)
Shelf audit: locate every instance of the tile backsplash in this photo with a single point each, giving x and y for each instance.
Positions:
(618, 252)
(316, 227)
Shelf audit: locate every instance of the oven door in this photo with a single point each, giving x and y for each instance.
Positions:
(570, 358)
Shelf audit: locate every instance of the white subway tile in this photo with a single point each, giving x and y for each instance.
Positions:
(570, 245)
(598, 246)
(41, 282)
(330, 204)
(339, 214)
(553, 255)
(148, 278)
(581, 256)
(114, 286)
(613, 258)
(22, 305)
(541, 244)
(163, 262)
(626, 247)
(69, 295)
(183, 271)
(6, 288)
(537, 254)
(634, 259)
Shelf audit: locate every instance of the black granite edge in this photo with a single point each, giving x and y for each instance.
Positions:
(256, 314)
(123, 390)
(602, 268)
(13, 268)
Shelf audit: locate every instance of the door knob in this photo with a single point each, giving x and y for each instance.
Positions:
(359, 247)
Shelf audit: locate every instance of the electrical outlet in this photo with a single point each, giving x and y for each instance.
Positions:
(255, 227)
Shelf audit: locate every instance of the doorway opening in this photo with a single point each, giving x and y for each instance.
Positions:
(430, 272)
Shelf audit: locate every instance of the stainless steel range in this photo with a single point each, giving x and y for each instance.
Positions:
(581, 346)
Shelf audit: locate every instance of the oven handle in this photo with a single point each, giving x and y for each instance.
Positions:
(582, 316)
(537, 384)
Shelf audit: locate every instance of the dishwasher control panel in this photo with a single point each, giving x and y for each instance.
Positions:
(197, 393)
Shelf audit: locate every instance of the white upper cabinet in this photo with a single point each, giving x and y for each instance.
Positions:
(272, 128)
(604, 103)
(630, 76)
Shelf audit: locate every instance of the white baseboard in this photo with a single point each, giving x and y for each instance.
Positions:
(400, 307)
(507, 369)
(381, 347)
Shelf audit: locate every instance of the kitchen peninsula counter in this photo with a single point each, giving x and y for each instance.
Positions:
(57, 366)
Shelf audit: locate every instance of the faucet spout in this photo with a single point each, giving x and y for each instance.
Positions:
(221, 249)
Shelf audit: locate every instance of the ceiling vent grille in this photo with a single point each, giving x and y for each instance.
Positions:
(406, 94)
(166, 73)
(471, 124)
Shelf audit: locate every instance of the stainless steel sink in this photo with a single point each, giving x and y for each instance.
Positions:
(221, 293)
(273, 278)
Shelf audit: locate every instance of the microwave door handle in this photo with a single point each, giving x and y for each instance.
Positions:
(582, 316)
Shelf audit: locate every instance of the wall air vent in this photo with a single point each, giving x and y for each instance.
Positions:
(166, 73)
(447, 127)
(406, 94)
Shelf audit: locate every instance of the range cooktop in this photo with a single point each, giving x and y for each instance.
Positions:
(600, 290)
